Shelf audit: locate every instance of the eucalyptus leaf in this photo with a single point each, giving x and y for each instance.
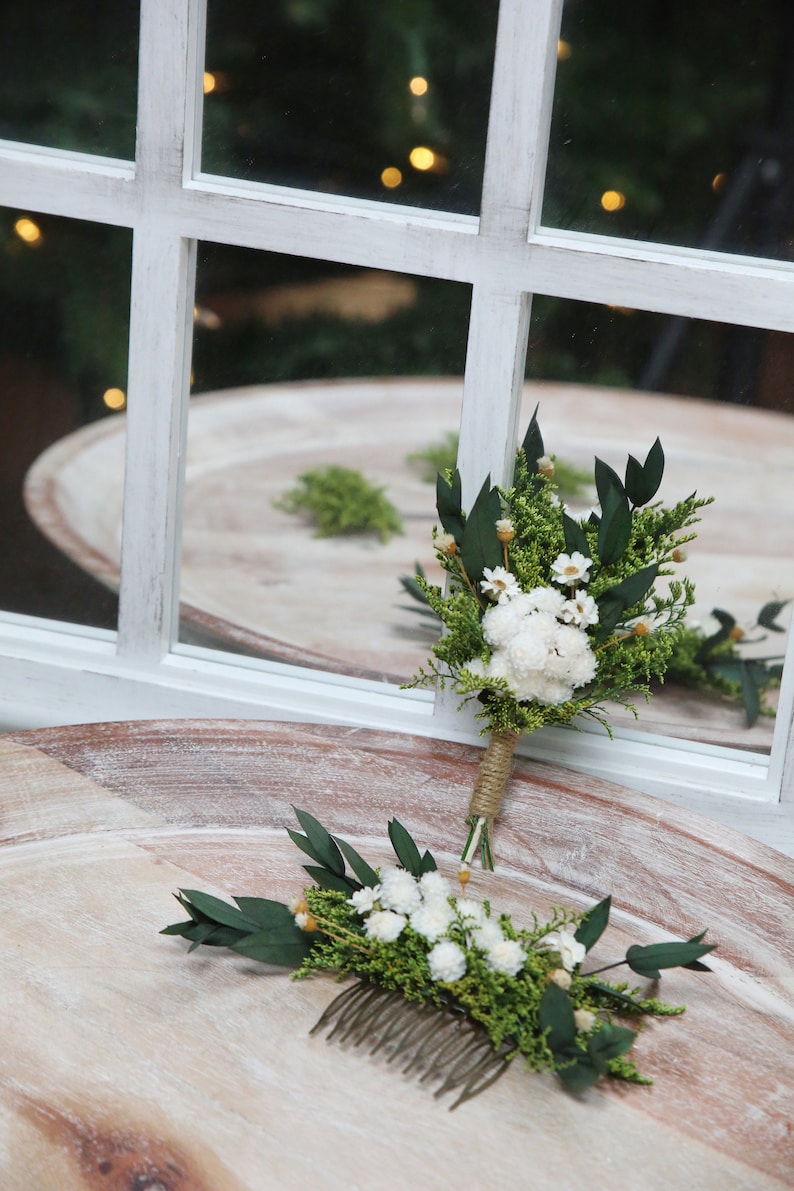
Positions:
(555, 1015)
(643, 479)
(320, 845)
(208, 935)
(575, 538)
(614, 532)
(607, 481)
(217, 911)
(532, 446)
(750, 697)
(479, 546)
(285, 948)
(428, 862)
(727, 623)
(448, 505)
(365, 872)
(325, 879)
(647, 961)
(621, 997)
(406, 850)
(594, 923)
(609, 1043)
(265, 913)
(581, 1075)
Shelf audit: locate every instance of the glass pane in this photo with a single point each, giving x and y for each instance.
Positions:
(68, 74)
(673, 126)
(379, 101)
(64, 291)
(719, 397)
(310, 370)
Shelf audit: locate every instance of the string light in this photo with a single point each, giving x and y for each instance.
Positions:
(422, 158)
(718, 181)
(391, 177)
(210, 82)
(418, 85)
(613, 200)
(28, 231)
(564, 50)
(115, 398)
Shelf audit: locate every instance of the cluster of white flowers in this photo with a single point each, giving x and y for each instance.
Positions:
(538, 638)
(429, 908)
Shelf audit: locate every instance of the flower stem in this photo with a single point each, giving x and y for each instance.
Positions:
(469, 583)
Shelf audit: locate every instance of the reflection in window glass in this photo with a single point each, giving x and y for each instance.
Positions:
(671, 125)
(344, 376)
(68, 75)
(64, 292)
(380, 101)
(720, 401)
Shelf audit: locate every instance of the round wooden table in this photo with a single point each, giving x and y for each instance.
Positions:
(127, 1064)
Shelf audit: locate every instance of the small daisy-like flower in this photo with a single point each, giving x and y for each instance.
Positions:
(570, 569)
(499, 584)
(508, 957)
(560, 977)
(565, 944)
(580, 610)
(445, 543)
(584, 1020)
(385, 926)
(363, 900)
(545, 465)
(447, 961)
(505, 530)
(399, 891)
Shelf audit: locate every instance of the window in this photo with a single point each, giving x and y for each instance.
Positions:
(586, 274)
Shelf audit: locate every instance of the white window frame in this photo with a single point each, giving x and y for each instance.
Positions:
(57, 673)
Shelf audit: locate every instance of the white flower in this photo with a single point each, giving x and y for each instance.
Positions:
(487, 935)
(501, 622)
(364, 899)
(302, 919)
(433, 885)
(562, 978)
(529, 648)
(470, 912)
(569, 950)
(445, 543)
(505, 530)
(385, 926)
(545, 465)
(399, 891)
(580, 610)
(569, 569)
(433, 919)
(584, 1020)
(545, 599)
(447, 961)
(499, 584)
(476, 666)
(508, 957)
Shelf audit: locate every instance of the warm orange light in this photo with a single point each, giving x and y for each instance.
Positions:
(115, 398)
(718, 181)
(210, 82)
(28, 231)
(564, 50)
(418, 85)
(613, 200)
(391, 177)
(422, 158)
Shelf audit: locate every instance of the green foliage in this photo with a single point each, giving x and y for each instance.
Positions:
(341, 501)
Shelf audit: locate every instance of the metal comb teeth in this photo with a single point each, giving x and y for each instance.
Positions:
(425, 1042)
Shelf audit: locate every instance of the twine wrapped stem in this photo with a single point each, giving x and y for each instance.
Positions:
(488, 793)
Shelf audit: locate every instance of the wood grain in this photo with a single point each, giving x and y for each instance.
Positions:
(125, 1063)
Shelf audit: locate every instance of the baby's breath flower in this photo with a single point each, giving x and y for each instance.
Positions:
(545, 465)
(505, 530)
(570, 569)
(363, 900)
(445, 543)
(584, 1020)
(433, 885)
(508, 957)
(385, 926)
(470, 912)
(447, 961)
(433, 919)
(399, 891)
(499, 584)
(487, 935)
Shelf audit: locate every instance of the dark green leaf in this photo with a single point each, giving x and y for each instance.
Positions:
(594, 923)
(769, 613)
(286, 948)
(609, 1043)
(428, 863)
(479, 546)
(750, 698)
(581, 1075)
(615, 601)
(730, 670)
(216, 936)
(365, 872)
(448, 504)
(532, 446)
(614, 532)
(574, 536)
(320, 845)
(328, 880)
(621, 997)
(727, 622)
(267, 914)
(555, 1014)
(607, 481)
(412, 587)
(647, 961)
(405, 848)
(217, 911)
(643, 480)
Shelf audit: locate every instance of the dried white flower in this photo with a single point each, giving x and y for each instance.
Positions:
(508, 957)
(581, 609)
(584, 1020)
(433, 919)
(447, 961)
(499, 584)
(364, 899)
(445, 543)
(399, 891)
(562, 978)
(385, 926)
(433, 885)
(565, 944)
(570, 569)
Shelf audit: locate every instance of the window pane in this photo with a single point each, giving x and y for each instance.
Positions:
(64, 290)
(672, 126)
(380, 101)
(722, 407)
(68, 74)
(333, 369)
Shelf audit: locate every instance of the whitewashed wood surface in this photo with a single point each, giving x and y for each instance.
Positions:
(127, 1064)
